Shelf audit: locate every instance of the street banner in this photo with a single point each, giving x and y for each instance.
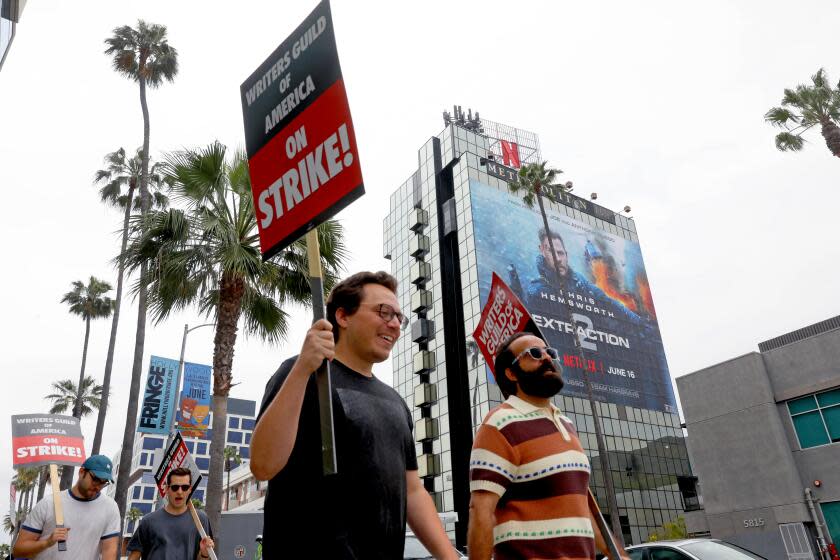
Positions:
(158, 405)
(43, 439)
(194, 408)
(502, 316)
(299, 135)
(176, 455)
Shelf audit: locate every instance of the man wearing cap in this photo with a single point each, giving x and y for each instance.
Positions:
(169, 533)
(529, 475)
(91, 519)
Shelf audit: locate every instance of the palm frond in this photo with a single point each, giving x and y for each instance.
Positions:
(787, 142)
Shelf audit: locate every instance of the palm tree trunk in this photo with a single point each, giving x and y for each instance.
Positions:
(831, 133)
(67, 473)
(42, 482)
(112, 342)
(124, 471)
(230, 307)
(603, 455)
(77, 406)
(121, 492)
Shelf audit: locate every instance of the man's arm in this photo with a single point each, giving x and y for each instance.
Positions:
(275, 433)
(133, 555)
(482, 521)
(424, 521)
(108, 547)
(28, 545)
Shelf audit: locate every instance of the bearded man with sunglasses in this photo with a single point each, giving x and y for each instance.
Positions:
(169, 533)
(91, 519)
(360, 512)
(529, 475)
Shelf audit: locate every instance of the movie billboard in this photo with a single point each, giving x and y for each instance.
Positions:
(595, 288)
(194, 411)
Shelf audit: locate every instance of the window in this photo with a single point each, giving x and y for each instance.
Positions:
(816, 418)
(666, 554)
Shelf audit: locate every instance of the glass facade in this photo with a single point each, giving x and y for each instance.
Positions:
(8, 12)
(646, 447)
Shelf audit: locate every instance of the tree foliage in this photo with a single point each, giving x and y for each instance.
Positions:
(805, 107)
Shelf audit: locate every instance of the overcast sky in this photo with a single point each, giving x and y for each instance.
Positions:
(658, 105)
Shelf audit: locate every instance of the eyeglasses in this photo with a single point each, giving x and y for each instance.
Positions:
(181, 487)
(537, 352)
(98, 481)
(388, 313)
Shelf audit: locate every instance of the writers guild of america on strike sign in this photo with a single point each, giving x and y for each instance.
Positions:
(299, 135)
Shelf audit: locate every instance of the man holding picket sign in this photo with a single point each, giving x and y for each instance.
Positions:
(80, 523)
(82, 519)
(176, 531)
(169, 533)
(529, 474)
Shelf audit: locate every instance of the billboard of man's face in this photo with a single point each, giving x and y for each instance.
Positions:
(560, 262)
(596, 308)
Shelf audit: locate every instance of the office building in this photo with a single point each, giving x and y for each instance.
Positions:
(764, 440)
(451, 225)
(10, 11)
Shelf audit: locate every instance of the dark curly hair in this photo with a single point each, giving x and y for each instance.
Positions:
(347, 294)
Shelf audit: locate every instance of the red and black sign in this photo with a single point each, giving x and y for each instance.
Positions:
(299, 135)
(43, 439)
(176, 455)
(502, 316)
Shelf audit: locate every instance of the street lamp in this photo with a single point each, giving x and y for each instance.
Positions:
(187, 330)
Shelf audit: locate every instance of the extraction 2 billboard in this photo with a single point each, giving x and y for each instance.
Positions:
(597, 292)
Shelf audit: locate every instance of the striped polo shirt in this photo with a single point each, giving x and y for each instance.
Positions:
(532, 458)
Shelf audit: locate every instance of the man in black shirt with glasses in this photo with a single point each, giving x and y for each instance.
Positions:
(361, 512)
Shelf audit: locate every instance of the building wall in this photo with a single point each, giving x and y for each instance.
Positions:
(744, 447)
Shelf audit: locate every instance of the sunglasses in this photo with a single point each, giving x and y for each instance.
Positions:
(98, 481)
(181, 487)
(537, 352)
(387, 313)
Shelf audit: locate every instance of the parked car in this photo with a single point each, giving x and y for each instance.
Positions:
(414, 549)
(690, 549)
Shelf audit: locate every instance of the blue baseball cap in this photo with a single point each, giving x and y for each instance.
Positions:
(99, 466)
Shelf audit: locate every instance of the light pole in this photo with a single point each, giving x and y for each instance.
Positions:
(172, 429)
(187, 330)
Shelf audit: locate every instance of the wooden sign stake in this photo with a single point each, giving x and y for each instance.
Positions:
(59, 510)
(322, 376)
(200, 528)
(602, 526)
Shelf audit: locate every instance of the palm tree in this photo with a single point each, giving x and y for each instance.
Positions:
(133, 515)
(804, 108)
(90, 303)
(535, 181)
(208, 255)
(5, 551)
(67, 395)
(145, 56)
(120, 179)
(232, 457)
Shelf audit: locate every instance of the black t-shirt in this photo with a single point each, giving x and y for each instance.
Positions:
(359, 513)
